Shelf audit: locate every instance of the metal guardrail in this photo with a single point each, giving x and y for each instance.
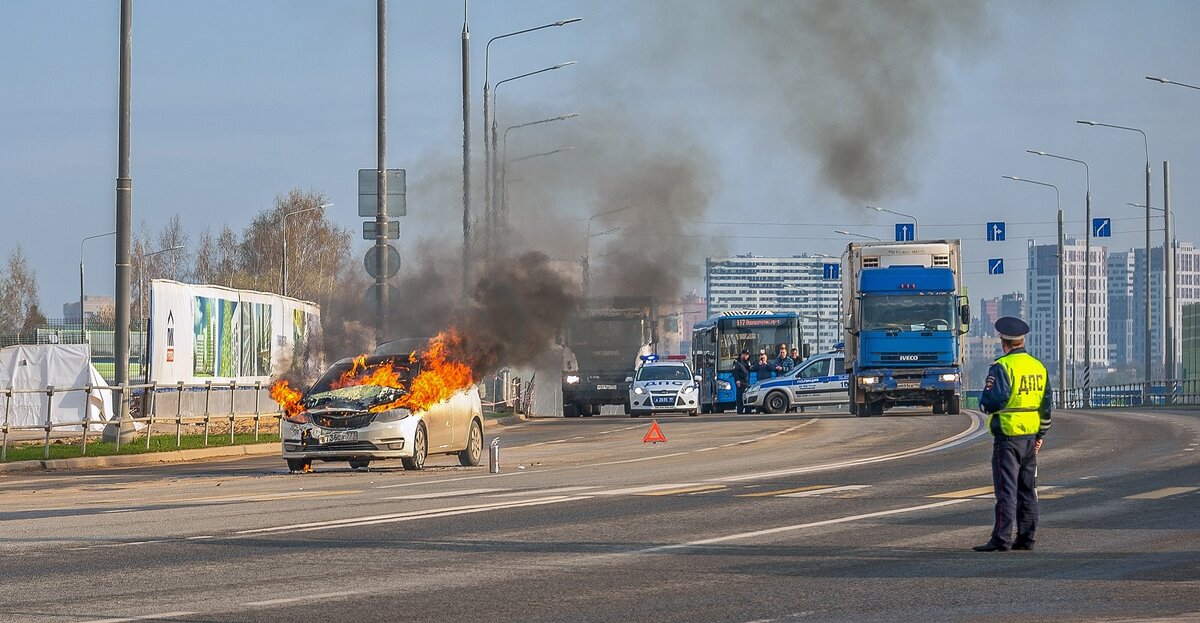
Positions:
(145, 400)
(1170, 393)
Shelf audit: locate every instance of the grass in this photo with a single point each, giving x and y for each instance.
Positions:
(159, 443)
(108, 369)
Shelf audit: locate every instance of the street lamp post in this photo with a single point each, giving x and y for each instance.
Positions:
(283, 273)
(587, 243)
(908, 216)
(1062, 291)
(1087, 275)
(504, 154)
(82, 315)
(1165, 81)
(856, 235)
(503, 192)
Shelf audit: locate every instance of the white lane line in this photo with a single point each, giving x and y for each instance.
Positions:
(555, 490)
(444, 494)
(288, 600)
(645, 488)
(816, 492)
(161, 615)
(812, 524)
(976, 428)
(463, 511)
(119, 510)
(201, 537)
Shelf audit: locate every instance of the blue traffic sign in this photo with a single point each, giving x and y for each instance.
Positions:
(1102, 227)
(996, 266)
(904, 232)
(995, 231)
(832, 271)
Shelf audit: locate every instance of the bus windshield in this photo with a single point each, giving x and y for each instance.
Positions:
(735, 339)
(908, 312)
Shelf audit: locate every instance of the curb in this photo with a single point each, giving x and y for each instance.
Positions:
(505, 421)
(149, 458)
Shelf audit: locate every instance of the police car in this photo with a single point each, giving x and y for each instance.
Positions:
(663, 386)
(821, 380)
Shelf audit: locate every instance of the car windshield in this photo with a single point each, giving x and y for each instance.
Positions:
(663, 373)
(908, 312)
(360, 384)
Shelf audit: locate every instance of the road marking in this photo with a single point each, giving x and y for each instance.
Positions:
(1158, 494)
(266, 497)
(765, 494)
(974, 430)
(288, 600)
(966, 493)
(162, 615)
(120, 510)
(805, 494)
(646, 489)
(201, 537)
(541, 491)
(683, 490)
(444, 494)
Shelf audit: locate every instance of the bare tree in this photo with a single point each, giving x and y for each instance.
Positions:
(18, 293)
(318, 249)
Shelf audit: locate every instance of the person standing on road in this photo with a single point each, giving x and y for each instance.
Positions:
(741, 378)
(783, 363)
(1015, 396)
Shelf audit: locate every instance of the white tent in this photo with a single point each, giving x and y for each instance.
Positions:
(62, 366)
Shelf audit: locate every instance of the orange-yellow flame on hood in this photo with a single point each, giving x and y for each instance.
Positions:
(287, 398)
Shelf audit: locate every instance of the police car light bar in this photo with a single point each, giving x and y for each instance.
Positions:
(648, 358)
(677, 357)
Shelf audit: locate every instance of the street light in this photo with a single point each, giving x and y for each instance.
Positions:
(1087, 274)
(909, 216)
(587, 243)
(1165, 81)
(504, 167)
(488, 123)
(504, 156)
(283, 274)
(855, 235)
(1169, 329)
(1062, 291)
(83, 316)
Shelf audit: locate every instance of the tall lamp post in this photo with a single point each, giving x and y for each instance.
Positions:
(588, 239)
(1062, 291)
(82, 315)
(283, 272)
(908, 216)
(1087, 274)
(856, 235)
(504, 154)
(488, 122)
(1165, 81)
(1146, 144)
(504, 170)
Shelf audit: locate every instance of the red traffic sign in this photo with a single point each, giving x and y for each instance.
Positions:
(654, 435)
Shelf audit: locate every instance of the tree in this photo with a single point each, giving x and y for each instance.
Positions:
(318, 249)
(18, 293)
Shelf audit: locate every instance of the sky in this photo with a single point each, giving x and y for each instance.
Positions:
(236, 102)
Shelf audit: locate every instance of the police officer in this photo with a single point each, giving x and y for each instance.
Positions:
(1016, 396)
(741, 379)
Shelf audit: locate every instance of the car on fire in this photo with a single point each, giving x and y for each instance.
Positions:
(663, 386)
(821, 380)
(363, 421)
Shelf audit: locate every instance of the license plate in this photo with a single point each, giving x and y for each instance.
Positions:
(908, 386)
(664, 400)
(340, 436)
(606, 387)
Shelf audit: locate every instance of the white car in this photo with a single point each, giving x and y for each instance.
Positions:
(663, 386)
(821, 380)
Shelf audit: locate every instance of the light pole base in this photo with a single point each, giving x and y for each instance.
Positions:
(123, 427)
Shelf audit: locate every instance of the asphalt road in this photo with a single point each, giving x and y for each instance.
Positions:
(735, 518)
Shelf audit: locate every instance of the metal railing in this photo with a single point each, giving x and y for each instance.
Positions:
(151, 404)
(1170, 393)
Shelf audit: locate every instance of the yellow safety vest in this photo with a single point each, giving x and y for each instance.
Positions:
(1027, 381)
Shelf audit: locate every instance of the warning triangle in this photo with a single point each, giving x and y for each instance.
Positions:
(654, 435)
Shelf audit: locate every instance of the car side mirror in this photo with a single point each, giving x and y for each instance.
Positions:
(629, 379)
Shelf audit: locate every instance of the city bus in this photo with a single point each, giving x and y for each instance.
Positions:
(718, 341)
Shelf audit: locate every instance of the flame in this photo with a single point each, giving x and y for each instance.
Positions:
(440, 377)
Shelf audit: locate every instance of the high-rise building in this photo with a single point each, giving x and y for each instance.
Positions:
(1012, 304)
(781, 284)
(1189, 330)
(1187, 289)
(1042, 300)
(1121, 309)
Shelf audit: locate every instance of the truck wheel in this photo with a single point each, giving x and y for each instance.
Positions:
(628, 409)
(570, 409)
(954, 405)
(939, 407)
(775, 402)
(588, 410)
(854, 409)
(706, 408)
(875, 408)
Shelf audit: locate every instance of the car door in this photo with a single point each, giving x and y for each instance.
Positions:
(807, 388)
(839, 383)
(438, 423)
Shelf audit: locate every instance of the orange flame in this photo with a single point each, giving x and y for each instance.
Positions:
(440, 377)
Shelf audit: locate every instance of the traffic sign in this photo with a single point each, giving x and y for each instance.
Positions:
(904, 232)
(370, 227)
(1102, 227)
(368, 192)
(832, 271)
(995, 231)
(393, 262)
(654, 435)
(372, 297)
(996, 266)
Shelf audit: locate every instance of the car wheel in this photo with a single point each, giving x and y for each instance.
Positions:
(775, 402)
(469, 457)
(693, 412)
(297, 466)
(420, 450)
(360, 464)
(628, 408)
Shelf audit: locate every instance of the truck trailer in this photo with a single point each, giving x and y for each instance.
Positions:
(905, 316)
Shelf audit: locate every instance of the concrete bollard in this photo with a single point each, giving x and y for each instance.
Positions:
(494, 457)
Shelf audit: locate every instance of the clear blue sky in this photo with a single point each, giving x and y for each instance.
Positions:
(234, 102)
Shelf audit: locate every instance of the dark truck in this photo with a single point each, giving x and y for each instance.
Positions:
(601, 347)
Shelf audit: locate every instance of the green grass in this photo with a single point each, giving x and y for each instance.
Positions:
(159, 443)
(108, 370)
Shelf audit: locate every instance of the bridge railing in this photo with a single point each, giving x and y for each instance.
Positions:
(1170, 393)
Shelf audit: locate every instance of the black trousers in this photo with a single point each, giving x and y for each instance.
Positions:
(741, 397)
(1014, 463)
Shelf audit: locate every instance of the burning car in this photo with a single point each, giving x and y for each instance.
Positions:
(384, 406)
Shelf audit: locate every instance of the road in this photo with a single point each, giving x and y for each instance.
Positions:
(736, 518)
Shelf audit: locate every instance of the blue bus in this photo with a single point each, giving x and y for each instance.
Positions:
(716, 343)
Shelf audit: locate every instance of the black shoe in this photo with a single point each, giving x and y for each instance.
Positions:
(1023, 545)
(991, 546)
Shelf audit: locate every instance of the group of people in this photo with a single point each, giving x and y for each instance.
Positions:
(762, 369)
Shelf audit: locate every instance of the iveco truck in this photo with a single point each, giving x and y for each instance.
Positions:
(905, 317)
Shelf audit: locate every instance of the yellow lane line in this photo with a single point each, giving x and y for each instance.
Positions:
(696, 489)
(765, 494)
(1158, 494)
(965, 493)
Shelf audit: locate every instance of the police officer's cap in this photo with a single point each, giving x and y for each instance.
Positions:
(745, 351)
(1011, 328)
